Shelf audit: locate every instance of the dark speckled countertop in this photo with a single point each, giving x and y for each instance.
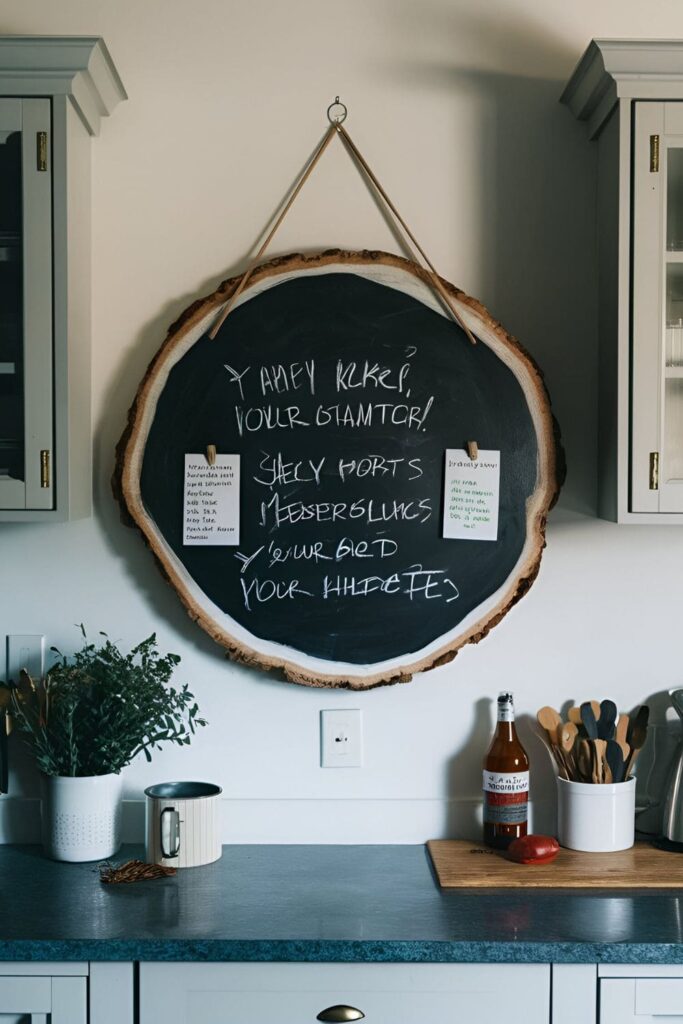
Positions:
(319, 903)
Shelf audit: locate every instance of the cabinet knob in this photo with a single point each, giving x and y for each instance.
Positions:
(340, 1013)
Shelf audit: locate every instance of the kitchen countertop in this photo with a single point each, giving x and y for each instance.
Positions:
(319, 903)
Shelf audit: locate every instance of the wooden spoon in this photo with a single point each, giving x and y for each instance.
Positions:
(639, 722)
(615, 760)
(589, 720)
(555, 753)
(622, 728)
(608, 716)
(595, 770)
(568, 736)
(549, 719)
(574, 715)
(625, 753)
(637, 734)
(600, 748)
(584, 761)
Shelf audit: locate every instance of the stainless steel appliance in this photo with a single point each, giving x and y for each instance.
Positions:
(672, 821)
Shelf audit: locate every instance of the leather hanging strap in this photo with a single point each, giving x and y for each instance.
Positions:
(432, 275)
(283, 213)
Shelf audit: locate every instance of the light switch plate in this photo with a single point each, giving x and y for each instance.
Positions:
(341, 739)
(25, 650)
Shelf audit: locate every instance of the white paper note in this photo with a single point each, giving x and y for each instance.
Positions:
(471, 495)
(211, 513)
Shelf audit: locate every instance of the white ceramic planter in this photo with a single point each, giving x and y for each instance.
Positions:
(81, 817)
(595, 818)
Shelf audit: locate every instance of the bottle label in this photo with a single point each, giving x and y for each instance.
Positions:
(506, 796)
(506, 712)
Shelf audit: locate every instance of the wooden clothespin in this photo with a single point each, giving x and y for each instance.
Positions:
(211, 454)
(473, 450)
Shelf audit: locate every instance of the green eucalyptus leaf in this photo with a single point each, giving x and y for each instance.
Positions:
(95, 711)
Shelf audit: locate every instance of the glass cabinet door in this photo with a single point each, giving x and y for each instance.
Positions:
(657, 288)
(26, 392)
(671, 456)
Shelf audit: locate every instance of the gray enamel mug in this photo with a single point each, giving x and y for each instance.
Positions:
(182, 824)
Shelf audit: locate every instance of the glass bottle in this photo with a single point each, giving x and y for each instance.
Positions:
(506, 780)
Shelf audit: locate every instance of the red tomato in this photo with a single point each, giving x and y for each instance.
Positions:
(533, 849)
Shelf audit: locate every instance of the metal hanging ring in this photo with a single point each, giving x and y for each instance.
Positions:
(336, 118)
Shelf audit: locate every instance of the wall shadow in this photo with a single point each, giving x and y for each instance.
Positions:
(537, 177)
(463, 776)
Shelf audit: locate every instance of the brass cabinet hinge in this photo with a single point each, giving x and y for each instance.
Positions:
(41, 151)
(45, 467)
(654, 153)
(654, 471)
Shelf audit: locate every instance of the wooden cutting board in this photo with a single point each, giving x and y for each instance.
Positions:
(465, 865)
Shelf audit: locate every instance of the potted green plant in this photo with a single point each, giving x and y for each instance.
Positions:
(85, 721)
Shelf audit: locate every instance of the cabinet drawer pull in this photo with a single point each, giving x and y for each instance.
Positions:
(340, 1013)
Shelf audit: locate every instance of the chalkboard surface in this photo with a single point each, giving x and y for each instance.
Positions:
(341, 395)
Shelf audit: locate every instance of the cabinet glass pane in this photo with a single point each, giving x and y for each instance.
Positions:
(673, 349)
(11, 309)
(671, 468)
(674, 200)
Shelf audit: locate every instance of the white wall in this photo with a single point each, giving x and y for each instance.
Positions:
(455, 104)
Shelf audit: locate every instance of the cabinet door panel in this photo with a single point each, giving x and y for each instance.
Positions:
(648, 327)
(38, 413)
(641, 1001)
(25, 995)
(24, 1018)
(659, 997)
(385, 993)
(35, 1000)
(12, 460)
(26, 378)
(657, 384)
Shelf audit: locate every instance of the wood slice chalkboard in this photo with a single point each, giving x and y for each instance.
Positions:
(340, 381)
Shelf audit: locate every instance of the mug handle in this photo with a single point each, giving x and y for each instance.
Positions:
(174, 824)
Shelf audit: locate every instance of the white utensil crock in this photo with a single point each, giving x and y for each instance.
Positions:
(81, 816)
(596, 818)
(183, 824)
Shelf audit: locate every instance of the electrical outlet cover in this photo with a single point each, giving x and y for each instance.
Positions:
(27, 651)
(341, 739)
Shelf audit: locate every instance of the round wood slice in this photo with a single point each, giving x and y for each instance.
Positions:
(356, 379)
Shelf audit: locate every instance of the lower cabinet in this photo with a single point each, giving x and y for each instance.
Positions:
(249, 993)
(653, 996)
(36, 996)
(376, 993)
(67, 993)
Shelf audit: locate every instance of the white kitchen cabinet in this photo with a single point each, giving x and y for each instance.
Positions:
(33, 994)
(631, 95)
(641, 1001)
(634, 994)
(54, 92)
(67, 993)
(251, 993)
(26, 434)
